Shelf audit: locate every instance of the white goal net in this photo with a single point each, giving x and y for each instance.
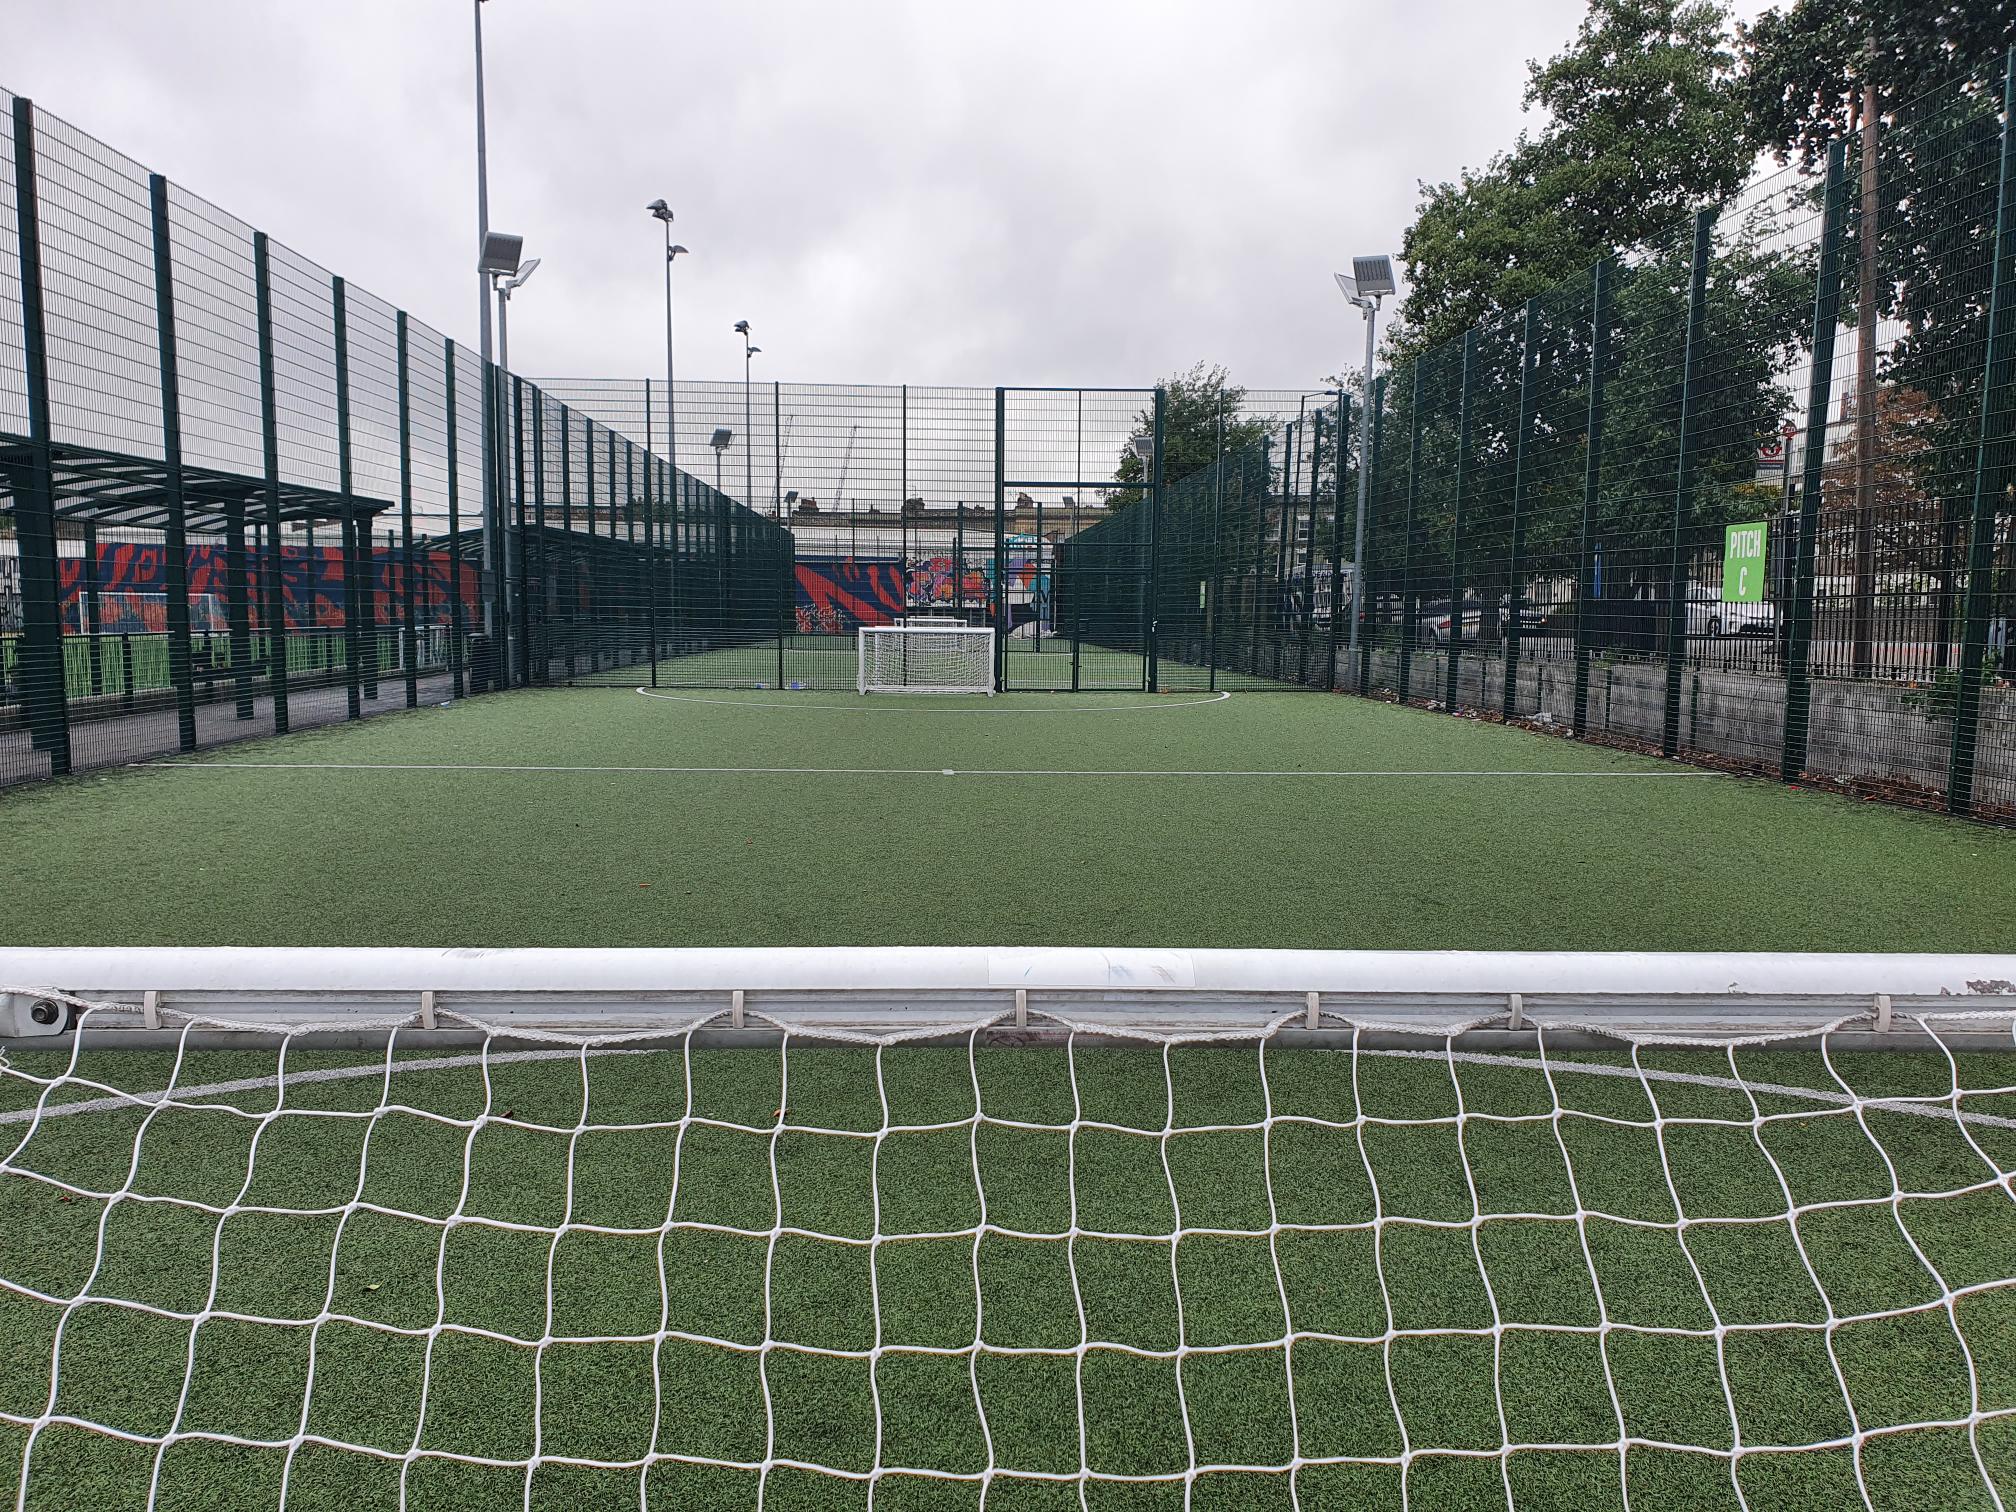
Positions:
(1112, 1234)
(924, 658)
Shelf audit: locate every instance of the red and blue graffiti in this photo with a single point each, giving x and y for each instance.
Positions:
(131, 581)
(838, 594)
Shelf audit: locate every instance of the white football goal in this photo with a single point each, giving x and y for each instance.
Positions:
(917, 658)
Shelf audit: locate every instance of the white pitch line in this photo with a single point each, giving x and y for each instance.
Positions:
(1462, 1057)
(867, 706)
(729, 771)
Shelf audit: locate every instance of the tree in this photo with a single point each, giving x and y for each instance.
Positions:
(1201, 421)
(1908, 84)
(1644, 122)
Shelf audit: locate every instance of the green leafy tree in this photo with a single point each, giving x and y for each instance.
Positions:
(1644, 125)
(1644, 121)
(1921, 80)
(1201, 421)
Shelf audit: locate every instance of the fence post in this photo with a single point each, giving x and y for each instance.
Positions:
(175, 547)
(238, 607)
(94, 611)
(1308, 636)
(1151, 590)
(1259, 551)
(269, 425)
(1991, 466)
(1408, 616)
(43, 661)
(1363, 599)
(408, 608)
(1683, 480)
(1216, 549)
(1515, 567)
(651, 560)
(1000, 604)
(1592, 475)
(1819, 388)
(514, 551)
(454, 564)
(537, 590)
(352, 638)
(1342, 449)
(497, 600)
(1451, 672)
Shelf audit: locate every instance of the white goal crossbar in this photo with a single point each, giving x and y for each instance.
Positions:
(1708, 998)
(920, 658)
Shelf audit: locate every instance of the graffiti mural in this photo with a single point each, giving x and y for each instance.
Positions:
(132, 598)
(836, 595)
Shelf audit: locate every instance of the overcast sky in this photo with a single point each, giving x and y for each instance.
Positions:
(1094, 191)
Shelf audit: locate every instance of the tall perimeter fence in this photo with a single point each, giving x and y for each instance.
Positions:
(1705, 501)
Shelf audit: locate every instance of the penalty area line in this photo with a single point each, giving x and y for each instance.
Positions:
(876, 706)
(529, 769)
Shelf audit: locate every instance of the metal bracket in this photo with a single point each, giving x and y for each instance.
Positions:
(24, 1015)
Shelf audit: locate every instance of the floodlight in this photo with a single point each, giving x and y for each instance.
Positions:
(791, 497)
(673, 251)
(525, 271)
(1348, 284)
(502, 252)
(721, 439)
(1143, 447)
(1373, 275)
(743, 327)
(660, 209)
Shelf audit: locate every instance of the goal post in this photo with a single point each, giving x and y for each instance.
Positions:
(917, 658)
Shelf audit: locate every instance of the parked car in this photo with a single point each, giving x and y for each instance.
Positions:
(1708, 616)
(1432, 621)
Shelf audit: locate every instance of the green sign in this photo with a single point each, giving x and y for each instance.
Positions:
(1743, 564)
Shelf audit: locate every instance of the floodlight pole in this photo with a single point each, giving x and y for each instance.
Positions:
(493, 489)
(1371, 309)
(748, 418)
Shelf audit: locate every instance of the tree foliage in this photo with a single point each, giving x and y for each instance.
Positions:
(1196, 402)
(1644, 121)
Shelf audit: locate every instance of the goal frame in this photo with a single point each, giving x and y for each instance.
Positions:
(864, 683)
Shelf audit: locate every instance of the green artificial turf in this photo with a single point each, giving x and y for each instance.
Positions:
(636, 1259)
(1647, 855)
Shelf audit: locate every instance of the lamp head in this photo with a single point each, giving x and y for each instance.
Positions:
(502, 253)
(721, 439)
(673, 251)
(525, 271)
(743, 327)
(660, 210)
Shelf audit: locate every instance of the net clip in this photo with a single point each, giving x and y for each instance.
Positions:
(735, 1009)
(1315, 1004)
(1515, 1010)
(1021, 1007)
(1882, 1013)
(150, 1009)
(427, 1009)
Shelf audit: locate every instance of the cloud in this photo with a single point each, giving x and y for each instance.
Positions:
(1099, 191)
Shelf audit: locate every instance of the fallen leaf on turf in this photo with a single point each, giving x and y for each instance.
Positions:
(371, 1286)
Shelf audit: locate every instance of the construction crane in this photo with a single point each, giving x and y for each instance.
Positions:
(845, 457)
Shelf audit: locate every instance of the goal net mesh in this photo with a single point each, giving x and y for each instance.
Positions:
(925, 659)
(863, 1269)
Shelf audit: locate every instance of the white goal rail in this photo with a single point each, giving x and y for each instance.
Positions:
(1486, 996)
(924, 658)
